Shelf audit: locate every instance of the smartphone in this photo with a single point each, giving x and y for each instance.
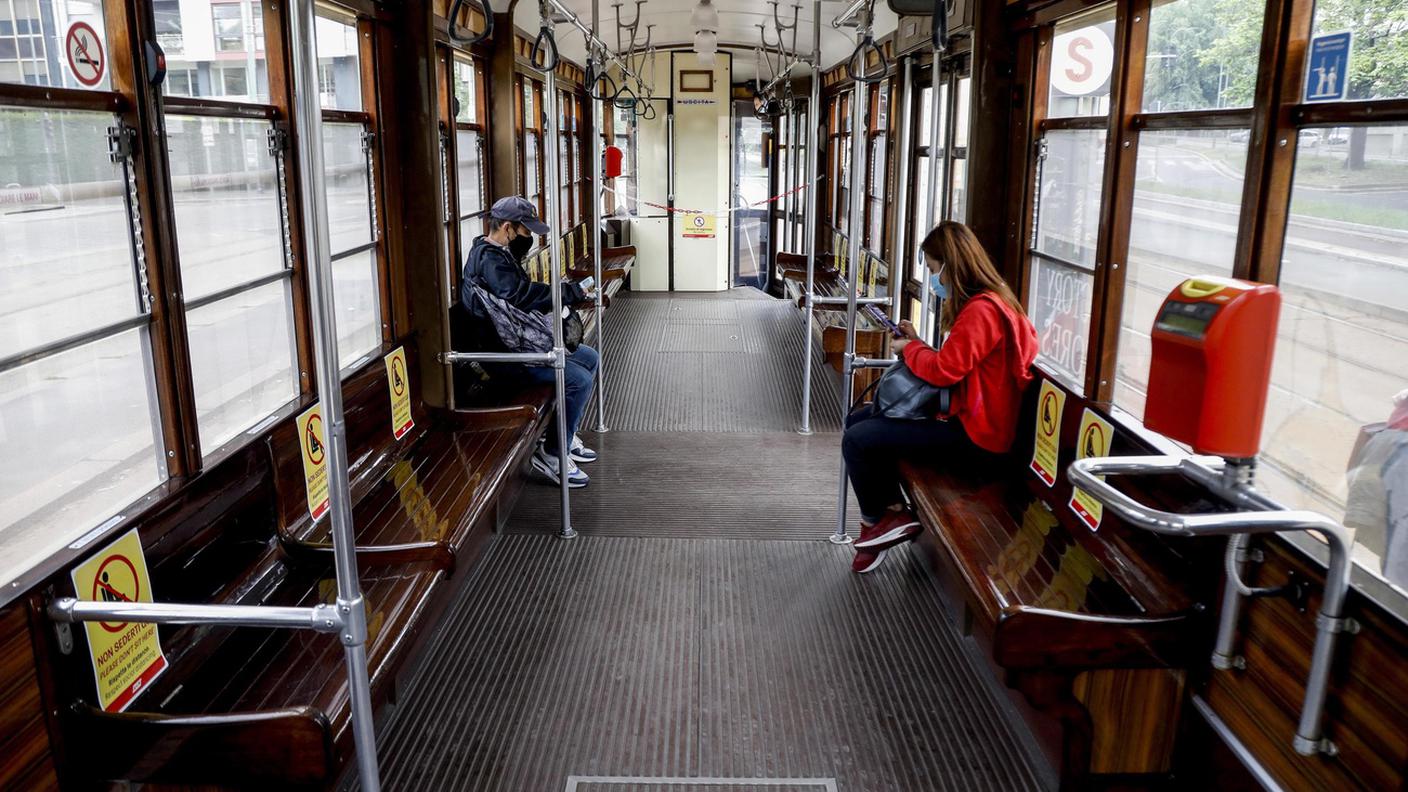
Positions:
(874, 312)
(587, 283)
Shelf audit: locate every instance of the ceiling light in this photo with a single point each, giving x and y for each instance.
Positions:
(705, 17)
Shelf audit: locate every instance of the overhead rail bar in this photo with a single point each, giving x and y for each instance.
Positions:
(810, 221)
(1232, 482)
(859, 99)
(845, 16)
(596, 46)
(347, 616)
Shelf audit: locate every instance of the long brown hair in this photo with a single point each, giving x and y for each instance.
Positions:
(969, 270)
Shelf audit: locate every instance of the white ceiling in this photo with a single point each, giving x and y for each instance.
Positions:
(737, 28)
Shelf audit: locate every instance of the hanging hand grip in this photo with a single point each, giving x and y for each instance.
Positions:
(547, 54)
(472, 38)
(862, 49)
(593, 79)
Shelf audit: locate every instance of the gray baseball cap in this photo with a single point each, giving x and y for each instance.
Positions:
(519, 210)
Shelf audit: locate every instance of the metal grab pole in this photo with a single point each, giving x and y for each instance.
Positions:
(813, 117)
(858, 120)
(902, 195)
(926, 317)
(597, 178)
(554, 222)
(315, 225)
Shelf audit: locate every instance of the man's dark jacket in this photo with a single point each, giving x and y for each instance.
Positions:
(495, 269)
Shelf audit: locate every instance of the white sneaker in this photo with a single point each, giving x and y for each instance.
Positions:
(579, 451)
(546, 464)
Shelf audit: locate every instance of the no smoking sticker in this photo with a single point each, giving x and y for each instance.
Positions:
(698, 226)
(313, 447)
(126, 656)
(85, 54)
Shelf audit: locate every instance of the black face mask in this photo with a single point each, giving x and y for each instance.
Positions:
(519, 246)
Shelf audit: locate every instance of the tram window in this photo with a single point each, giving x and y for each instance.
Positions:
(1380, 30)
(352, 242)
(32, 47)
(230, 236)
(63, 212)
(875, 186)
(1063, 259)
(1082, 63)
(926, 217)
(470, 156)
(80, 408)
(1187, 197)
(1343, 334)
(197, 67)
(1202, 54)
(339, 61)
(466, 92)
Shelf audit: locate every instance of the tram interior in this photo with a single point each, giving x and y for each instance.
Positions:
(274, 514)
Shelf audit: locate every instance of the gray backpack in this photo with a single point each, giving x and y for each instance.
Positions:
(525, 331)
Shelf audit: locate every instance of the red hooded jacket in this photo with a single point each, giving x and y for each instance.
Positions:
(987, 359)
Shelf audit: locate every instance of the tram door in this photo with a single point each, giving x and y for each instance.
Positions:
(651, 234)
(751, 229)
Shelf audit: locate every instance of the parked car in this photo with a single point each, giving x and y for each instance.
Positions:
(1338, 137)
(1239, 135)
(1309, 137)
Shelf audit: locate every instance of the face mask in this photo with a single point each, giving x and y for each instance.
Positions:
(519, 246)
(936, 285)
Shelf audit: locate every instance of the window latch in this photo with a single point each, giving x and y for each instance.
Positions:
(278, 141)
(121, 142)
(368, 140)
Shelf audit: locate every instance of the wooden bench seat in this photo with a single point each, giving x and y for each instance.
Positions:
(830, 321)
(247, 706)
(1092, 628)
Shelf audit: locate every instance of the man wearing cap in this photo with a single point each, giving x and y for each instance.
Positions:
(494, 262)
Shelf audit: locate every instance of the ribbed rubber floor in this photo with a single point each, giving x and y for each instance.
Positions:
(692, 658)
(698, 484)
(712, 363)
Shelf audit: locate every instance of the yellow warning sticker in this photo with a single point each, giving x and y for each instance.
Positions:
(871, 269)
(1093, 441)
(312, 439)
(398, 381)
(698, 225)
(126, 656)
(1046, 450)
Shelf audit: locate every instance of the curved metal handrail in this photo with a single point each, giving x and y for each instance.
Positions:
(1262, 518)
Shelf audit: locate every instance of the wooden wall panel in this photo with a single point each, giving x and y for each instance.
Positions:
(1368, 699)
(1125, 740)
(25, 758)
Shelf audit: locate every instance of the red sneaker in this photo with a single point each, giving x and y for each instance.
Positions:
(866, 560)
(897, 527)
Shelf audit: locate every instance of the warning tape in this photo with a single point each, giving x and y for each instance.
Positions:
(727, 210)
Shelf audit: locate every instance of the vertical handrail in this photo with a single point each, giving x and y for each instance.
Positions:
(554, 223)
(902, 195)
(315, 226)
(859, 116)
(813, 117)
(926, 315)
(595, 234)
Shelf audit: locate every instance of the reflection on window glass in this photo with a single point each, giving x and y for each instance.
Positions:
(1060, 310)
(355, 290)
(1082, 62)
(1202, 54)
(468, 110)
(530, 167)
(32, 44)
(85, 423)
(230, 65)
(349, 199)
(1187, 198)
(243, 365)
(960, 190)
(339, 66)
(65, 257)
(1069, 203)
(1336, 432)
(1378, 62)
(227, 202)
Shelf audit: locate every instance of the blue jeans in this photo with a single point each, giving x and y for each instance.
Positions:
(579, 377)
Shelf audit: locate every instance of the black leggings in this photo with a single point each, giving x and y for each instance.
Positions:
(874, 446)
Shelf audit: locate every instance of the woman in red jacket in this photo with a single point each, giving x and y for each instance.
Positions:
(986, 361)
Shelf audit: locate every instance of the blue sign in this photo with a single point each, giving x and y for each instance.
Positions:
(1327, 76)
